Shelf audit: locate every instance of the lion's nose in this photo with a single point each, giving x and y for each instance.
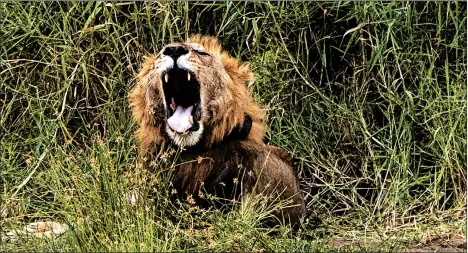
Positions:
(175, 51)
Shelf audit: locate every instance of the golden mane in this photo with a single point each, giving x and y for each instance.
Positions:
(233, 98)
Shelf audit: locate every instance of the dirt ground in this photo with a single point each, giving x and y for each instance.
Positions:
(455, 244)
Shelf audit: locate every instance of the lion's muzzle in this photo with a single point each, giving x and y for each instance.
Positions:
(182, 97)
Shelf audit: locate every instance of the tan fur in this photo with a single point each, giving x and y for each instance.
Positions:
(223, 84)
(226, 82)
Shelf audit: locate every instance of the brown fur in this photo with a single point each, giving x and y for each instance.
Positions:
(223, 82)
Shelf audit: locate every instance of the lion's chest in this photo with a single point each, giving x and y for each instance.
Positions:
(218, 172)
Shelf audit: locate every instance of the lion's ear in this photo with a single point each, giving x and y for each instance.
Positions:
(240, 73)
(246, 74)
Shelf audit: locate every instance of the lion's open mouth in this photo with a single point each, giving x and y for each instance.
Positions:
(182, 96)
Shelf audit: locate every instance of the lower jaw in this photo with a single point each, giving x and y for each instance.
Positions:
(191, 138)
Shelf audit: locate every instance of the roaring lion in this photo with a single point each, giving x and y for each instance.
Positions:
(194, 95)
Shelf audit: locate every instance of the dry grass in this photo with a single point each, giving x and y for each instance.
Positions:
(370, 97)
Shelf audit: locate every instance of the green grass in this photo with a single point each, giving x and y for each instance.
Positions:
(369, 96)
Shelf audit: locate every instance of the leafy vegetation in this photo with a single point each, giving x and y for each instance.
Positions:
(369, 97)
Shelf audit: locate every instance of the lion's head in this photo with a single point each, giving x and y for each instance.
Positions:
(193, 93)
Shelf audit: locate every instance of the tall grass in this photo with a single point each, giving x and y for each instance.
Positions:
(369, 97)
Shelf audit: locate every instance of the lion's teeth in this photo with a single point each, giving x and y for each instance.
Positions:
(166, 77)
(173, 105)
(188, 76)
(191, 120)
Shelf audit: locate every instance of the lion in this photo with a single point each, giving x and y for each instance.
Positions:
(194, 95)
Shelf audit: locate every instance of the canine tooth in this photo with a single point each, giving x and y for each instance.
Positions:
(173, 105)
(166, 77)
(188, 76)
(191, 120)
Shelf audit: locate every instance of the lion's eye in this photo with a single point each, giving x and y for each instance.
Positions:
(201, 52)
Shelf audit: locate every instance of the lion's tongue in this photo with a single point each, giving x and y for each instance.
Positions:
(180, 120)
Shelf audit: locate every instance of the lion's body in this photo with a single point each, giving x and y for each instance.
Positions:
(240, 168)
(221, 163)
